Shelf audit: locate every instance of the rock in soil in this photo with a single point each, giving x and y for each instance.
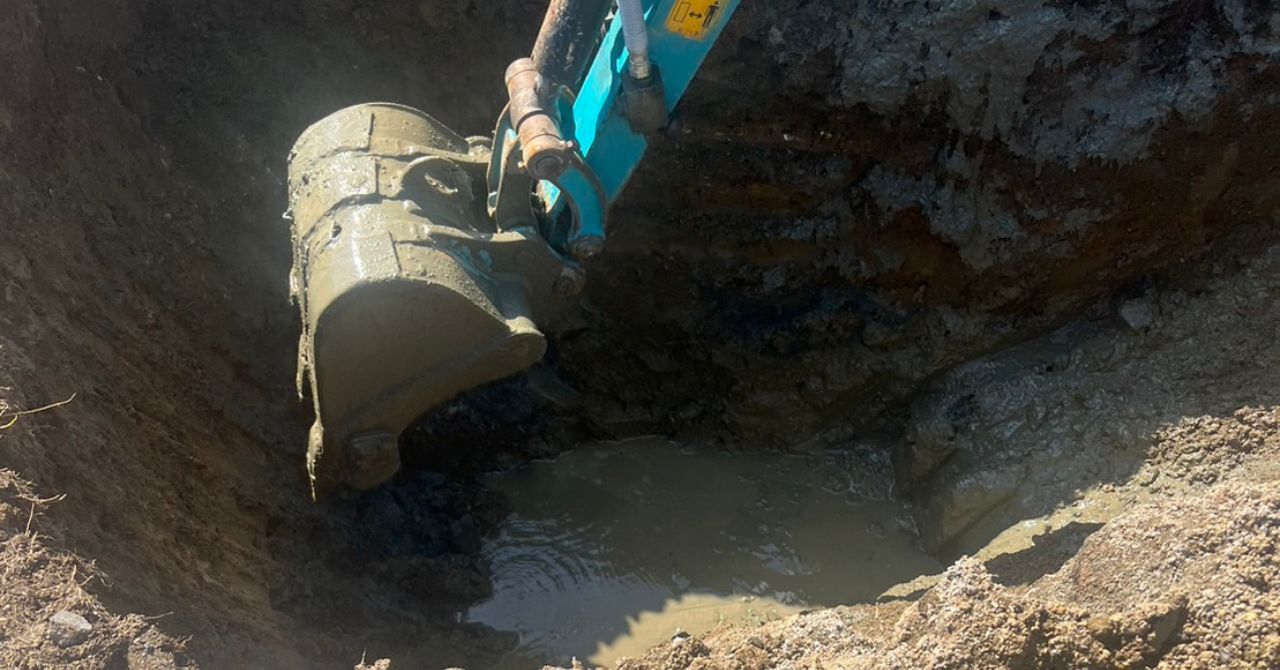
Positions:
(68, 628)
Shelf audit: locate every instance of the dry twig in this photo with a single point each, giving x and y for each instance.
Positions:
(4, 409)
(38, 501)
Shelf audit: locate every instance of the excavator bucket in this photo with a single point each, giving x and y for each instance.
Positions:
(407, 293)
(423, 260)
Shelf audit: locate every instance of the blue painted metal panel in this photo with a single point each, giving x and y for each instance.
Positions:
(590, 212)
(598, 125)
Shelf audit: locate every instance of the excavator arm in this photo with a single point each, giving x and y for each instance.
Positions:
(426, 263)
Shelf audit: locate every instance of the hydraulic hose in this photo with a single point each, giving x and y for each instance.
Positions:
(571, 31)
(636, 36)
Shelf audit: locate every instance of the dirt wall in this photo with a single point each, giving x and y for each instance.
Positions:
(143, 267)
(1211, 607)
(853, 200)
(859, 196)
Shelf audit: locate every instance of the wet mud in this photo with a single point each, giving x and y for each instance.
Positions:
(613, 548)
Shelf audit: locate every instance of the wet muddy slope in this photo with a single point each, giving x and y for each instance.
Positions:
(863, 195)
(1129, 467)
(856, 200)
(1101, 610)
(142, 268)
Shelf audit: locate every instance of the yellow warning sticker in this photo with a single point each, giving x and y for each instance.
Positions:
(694, 19)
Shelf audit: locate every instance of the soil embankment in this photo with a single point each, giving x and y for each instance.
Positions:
(952, 234)
(1137, 517)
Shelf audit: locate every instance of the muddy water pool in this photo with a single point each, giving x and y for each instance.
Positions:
(614, 548)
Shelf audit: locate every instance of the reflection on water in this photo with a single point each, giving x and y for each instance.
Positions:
(612, 549)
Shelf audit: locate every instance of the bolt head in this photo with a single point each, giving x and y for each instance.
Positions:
(547, 166)
(586, 247)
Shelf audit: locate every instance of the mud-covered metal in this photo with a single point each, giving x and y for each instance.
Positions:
(408, 293)
(545, 152)
(529, 152)
(423, 260)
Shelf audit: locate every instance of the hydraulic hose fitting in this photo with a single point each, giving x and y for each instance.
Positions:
(636, 36)
(546, 153)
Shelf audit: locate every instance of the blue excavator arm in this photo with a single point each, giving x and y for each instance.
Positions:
(643, 64)
(426, 263)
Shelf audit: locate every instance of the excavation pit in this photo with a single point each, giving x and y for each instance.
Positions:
(1025, 295)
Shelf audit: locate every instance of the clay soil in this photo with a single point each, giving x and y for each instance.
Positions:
(1186, 583)
(154, 509)
(143, 266)
(1169, 559)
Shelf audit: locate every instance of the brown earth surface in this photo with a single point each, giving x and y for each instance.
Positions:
(986, 266)
(1159, 552)
(1186, 583)
(42, 580)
